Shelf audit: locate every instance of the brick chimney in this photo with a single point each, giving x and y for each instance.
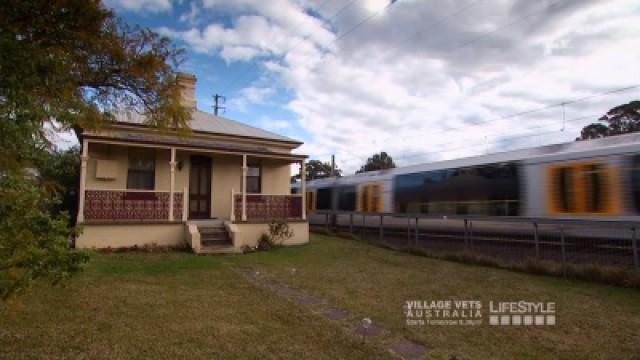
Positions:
(187, 83)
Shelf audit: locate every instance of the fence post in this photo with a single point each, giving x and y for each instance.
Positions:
(466, 233)
(536, 239)
(326, 221)
(564, 253)
(351, 223)
(381, 232)
(417, 229)
(470, 234)
(408, 231)
(634, 246)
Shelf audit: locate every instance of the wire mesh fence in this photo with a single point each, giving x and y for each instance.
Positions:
(507, 240)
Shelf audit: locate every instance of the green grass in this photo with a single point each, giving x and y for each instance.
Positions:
(176, 305)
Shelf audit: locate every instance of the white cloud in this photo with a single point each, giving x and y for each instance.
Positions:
(423, 88)
(140, 5)
(251, 96)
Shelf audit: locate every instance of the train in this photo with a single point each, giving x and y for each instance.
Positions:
(590, 179)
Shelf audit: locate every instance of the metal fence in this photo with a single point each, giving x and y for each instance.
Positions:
(510, 240)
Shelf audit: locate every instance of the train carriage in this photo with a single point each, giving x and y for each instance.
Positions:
(583, 179)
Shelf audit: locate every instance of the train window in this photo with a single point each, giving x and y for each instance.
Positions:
(347, 198)
(580, 189)
(323, 199)
(371, 198)
(564, 189)
(635, 180)
(491, 189)
(310, 198)
(595, 182)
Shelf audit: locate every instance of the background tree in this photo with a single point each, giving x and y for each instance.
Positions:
(622, 119)
(59, 174)
(377, 162)
(317, 169)
(64, 64)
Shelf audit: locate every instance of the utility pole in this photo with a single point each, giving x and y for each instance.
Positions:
(218, 100)
(333, 165)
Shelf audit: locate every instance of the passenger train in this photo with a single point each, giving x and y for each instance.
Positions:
(582, 179)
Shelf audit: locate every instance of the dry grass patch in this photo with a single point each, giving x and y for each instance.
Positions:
(594, 321)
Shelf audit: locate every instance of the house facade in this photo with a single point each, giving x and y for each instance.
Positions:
(215, 190)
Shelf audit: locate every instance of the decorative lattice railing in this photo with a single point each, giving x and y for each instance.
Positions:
(130, 205)
(269, 207)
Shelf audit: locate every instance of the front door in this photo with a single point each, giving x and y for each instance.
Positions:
(200, 188)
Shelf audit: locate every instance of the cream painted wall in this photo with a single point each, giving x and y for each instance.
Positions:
(249, 234)
(128, 235)
(226, 173)
(120, 154)
(276, 175)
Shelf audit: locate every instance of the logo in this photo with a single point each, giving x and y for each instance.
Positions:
(522, 313)
(443, 312)
(470, 312)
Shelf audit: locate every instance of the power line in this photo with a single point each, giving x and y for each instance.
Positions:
(511, 138)
(526, 112)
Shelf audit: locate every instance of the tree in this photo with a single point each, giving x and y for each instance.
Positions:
(58, 173)
(377, 162)
(64, 64)
(316, 169)
(622, 119)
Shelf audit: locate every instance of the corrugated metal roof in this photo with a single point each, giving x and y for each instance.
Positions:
(205, 122)
(196, 143)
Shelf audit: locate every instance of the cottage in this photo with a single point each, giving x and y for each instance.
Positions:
(215, 190)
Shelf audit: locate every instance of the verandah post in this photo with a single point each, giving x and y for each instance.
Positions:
(244, 187)
(303, 189)
(172, 182)
(83, 179)
(185, 204)
(232, 215)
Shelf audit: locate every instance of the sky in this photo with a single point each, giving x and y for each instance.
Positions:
(423, 80)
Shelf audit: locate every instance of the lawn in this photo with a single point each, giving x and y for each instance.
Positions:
(178, 305)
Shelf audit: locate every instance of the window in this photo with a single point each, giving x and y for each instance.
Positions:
(254, 179)
(347, 198)
(491, 189)
(323, 199)
(310, 196)
(371, 198)
(563, 191)
(580, 189)
(142, 169)
(635, 180)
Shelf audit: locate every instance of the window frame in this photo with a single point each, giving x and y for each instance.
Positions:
(259, 177)
(133, 173)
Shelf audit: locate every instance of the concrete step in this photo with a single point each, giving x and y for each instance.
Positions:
(212, 230)
(214, 237)
(217, 249)
(216, 242)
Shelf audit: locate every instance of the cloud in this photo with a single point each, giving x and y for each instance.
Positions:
(428, 80)
(251, 96)
(153, 6)
(192, 16)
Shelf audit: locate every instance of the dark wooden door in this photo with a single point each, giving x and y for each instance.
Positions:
(200, 188)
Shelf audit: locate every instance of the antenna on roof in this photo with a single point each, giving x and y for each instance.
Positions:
(218, 100)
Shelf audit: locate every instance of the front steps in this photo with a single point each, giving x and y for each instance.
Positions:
(214, 237)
